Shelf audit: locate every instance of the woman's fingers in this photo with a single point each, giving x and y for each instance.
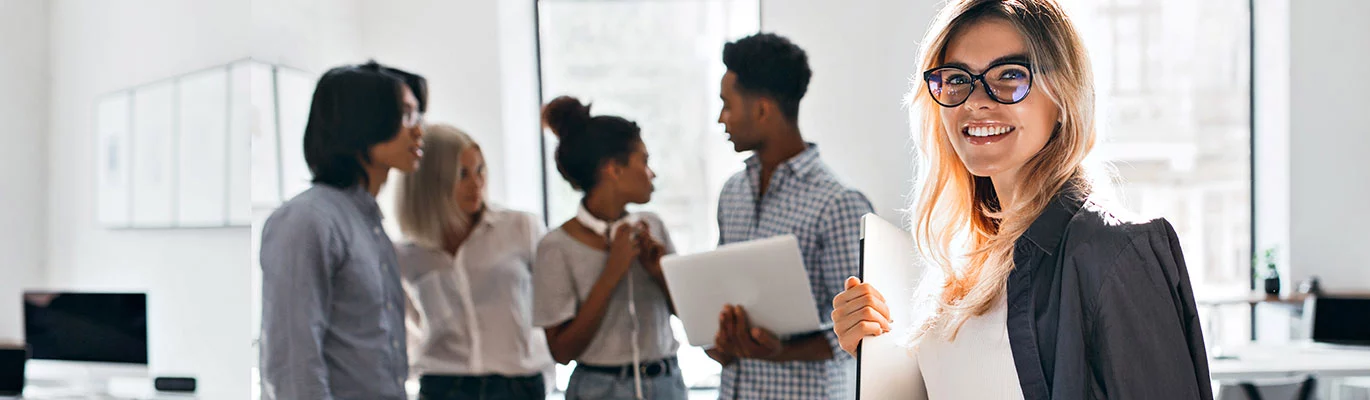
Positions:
(850, 338)
(866, 313)
(854, 292)
(644, 230)
(624, 231)
(848, 321)
(862, 304)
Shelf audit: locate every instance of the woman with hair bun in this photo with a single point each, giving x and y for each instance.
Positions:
(598, 289)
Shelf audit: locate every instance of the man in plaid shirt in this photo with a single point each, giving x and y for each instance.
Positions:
(785, 189)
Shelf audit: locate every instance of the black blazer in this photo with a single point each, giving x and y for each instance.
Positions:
(1100, 307)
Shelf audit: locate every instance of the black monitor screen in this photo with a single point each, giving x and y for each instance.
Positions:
(1341, 320)
(95, 327)
(12, 371)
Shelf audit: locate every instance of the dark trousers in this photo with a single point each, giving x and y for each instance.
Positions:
(485, 387)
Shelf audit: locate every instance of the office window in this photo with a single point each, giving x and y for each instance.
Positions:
(657, 63)
(1174, 93)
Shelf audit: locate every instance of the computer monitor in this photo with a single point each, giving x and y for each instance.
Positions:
(1341, 320)
(12, 361)
(82, 343)
(86, 327)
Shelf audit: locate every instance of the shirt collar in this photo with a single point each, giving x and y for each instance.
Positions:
(1049, 227)
(493, 214)
(801, 164)
(364, 201)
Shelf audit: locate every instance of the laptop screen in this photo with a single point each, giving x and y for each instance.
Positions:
(1341, 320)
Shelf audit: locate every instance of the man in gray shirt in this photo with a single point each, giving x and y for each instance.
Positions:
(332, 304)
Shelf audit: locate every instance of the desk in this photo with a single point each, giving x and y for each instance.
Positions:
(121, 389)
(1250, 298)
(1255, 361)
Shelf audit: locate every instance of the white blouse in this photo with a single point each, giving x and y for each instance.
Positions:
(474, 310)
(977, 365)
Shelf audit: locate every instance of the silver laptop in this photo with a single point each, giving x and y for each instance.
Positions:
(766, 277)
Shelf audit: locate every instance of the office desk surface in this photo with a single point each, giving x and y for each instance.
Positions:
(1256, 361)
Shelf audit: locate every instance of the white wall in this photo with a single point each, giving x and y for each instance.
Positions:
(197, 280)
(479, 59)
(23, 158)
(1329, 141)
(862, 59)
(313, 35)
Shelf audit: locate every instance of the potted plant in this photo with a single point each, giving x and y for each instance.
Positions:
(1272, 273)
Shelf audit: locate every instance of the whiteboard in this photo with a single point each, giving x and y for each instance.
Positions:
(112, 160)
(202, 166)
(886, 369)
(153, 155)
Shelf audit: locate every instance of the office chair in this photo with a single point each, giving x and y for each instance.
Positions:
(1301, 388)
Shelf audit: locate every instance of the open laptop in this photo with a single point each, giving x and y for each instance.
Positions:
(765, 276)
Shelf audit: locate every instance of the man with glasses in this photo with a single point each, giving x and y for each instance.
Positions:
(332, 304)
(785, 189)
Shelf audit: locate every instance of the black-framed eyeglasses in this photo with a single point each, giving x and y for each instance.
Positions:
(1006, 83)
(412, 118)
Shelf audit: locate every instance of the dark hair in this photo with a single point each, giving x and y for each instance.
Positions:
(585, 142)
(770, 65)
(355, 107)
(416, 84)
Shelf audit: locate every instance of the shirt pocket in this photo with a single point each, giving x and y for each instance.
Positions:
(361, 283)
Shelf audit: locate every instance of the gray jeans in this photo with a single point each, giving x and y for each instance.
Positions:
(596, 385)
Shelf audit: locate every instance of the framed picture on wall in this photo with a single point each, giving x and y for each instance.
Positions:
(205, 149)
(154, 155)
(202, 149)
(113, 155)
(182, 152)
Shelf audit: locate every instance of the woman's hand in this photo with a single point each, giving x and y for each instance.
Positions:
(859, 312)
(649, 250)
(622, 250)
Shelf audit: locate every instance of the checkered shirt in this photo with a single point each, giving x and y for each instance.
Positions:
(805, 199)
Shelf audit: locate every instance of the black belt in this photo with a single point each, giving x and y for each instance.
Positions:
(650, 369)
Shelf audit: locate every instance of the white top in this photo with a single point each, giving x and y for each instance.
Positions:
(566, 270)
(977, 365)
(475, 310)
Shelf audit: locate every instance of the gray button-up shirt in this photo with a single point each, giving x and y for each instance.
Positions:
(332, 303)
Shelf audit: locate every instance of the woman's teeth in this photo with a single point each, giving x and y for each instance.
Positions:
(983, 131)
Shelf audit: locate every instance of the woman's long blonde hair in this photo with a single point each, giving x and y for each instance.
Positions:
(957, 216)
(427, 211)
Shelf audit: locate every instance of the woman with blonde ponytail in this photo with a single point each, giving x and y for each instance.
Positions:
(1035, 288)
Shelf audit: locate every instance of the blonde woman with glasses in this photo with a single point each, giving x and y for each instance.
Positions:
(467, 267)
(1036, 288)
